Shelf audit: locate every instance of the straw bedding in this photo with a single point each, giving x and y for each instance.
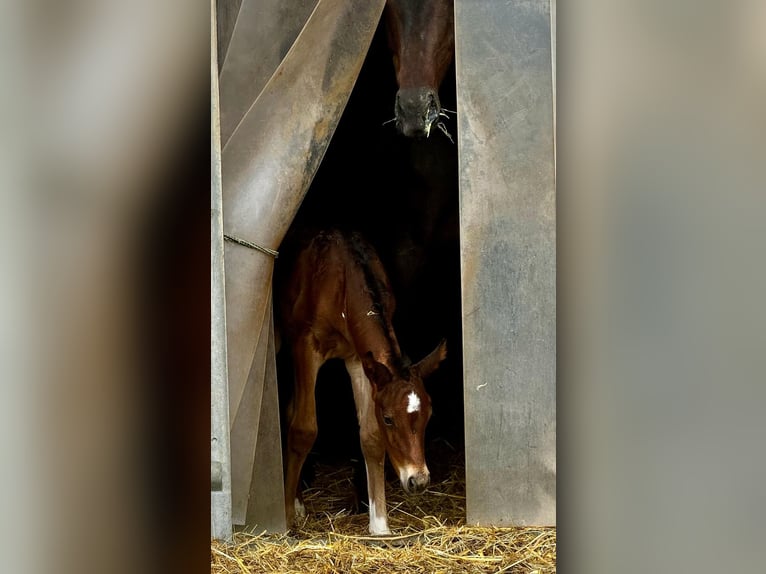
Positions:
(430, 535)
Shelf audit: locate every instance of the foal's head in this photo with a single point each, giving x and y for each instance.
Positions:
(402, 409)
(422, 38)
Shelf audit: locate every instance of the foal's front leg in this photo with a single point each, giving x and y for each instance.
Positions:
(372, 447)
(302, 430)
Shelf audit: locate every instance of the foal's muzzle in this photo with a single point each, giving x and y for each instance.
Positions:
(417, 109)
(416, 483)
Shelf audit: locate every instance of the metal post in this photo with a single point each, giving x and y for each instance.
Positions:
(220, 477)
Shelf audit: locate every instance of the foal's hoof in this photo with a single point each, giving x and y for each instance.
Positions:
(300, 509)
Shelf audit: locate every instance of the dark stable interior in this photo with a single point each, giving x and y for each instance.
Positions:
(402, 195)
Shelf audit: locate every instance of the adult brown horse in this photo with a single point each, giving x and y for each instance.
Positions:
(421, 35)
(337, 303)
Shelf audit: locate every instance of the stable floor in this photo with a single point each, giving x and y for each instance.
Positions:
(430, 534)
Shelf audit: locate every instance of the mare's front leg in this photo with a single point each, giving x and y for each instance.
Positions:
(372, 447)
(302, 430)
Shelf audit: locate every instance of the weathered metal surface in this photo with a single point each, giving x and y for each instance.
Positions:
(264, 32)
(220, 496)
(245, 419)
(226, 17)
(268, 164)
(507, 221)
(553, 80)
(266, 508)
(216, 476)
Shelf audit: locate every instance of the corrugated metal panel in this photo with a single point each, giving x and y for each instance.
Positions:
(508, 258)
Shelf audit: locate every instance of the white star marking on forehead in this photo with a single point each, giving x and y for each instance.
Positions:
(413, 402)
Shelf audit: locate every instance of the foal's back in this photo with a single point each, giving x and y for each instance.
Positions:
(336, 275)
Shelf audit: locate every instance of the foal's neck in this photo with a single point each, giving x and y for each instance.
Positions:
(372, 331)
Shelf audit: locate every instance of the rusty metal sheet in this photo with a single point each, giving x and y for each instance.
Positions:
(261, 37)
(267, 166)
(508, 259)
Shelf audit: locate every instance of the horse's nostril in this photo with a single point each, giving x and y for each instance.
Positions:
(416, 484)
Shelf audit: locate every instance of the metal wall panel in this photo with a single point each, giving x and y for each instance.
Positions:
(507, 219)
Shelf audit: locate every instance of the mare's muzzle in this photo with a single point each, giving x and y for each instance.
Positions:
(417, 109)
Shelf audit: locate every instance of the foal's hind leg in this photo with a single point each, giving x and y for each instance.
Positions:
(302, 430)
(372, 447)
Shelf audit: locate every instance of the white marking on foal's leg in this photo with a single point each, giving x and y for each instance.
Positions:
(376, 484)
(300, 509)
(378, 523)
(413, 402)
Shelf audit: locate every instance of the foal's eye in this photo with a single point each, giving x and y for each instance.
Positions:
(388, 421)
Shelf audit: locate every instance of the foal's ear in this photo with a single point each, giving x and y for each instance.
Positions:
(430, 363)
(378, 373)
